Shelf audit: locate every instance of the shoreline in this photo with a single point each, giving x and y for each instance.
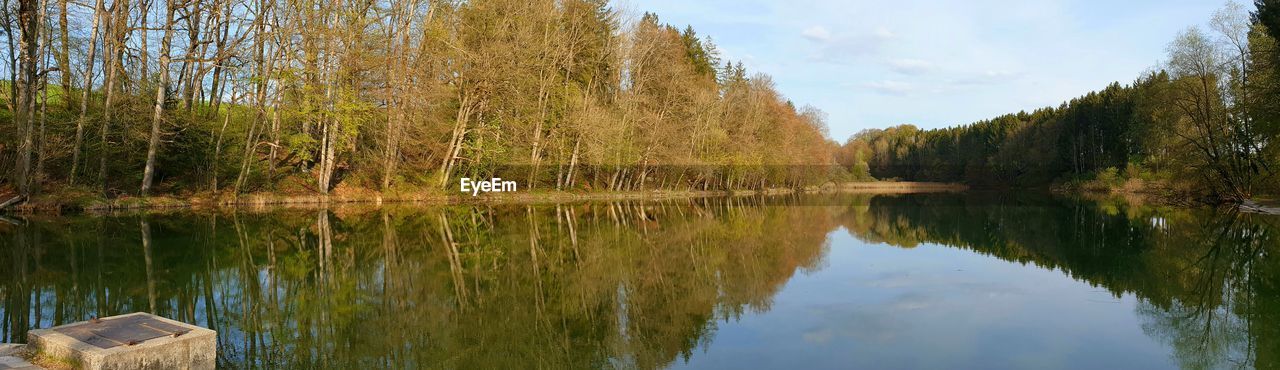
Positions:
(56, 204)
(1165, 196)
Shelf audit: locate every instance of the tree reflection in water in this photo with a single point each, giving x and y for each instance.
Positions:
(1206, 280)
(588, 285)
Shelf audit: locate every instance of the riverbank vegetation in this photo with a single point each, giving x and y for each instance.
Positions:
(1203, 123)
(122, 98)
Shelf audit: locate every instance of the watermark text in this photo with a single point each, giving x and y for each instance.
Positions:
(494, 185)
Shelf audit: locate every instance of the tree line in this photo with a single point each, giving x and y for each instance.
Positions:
(123, 97)
(1205, 122)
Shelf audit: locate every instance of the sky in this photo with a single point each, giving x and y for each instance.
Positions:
(935, 63)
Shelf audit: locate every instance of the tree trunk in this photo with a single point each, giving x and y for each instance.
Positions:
(186, 77)
(395, 89)
(29, 26)
(217, 150)
(41, 151)
(116, 54)
(573, 163)
(157, 116)
(86, 87)
(64, 54)
(263, 69)
(216, 89)
(455, 142)
(144, 70)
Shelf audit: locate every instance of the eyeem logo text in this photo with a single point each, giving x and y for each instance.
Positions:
(494, 185)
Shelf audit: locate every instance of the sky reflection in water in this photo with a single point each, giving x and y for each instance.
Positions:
(906, 281)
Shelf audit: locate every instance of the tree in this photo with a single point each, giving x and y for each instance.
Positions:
(85, 88)
(162, 87)
(1268, 15)
(26, 87)
(413, 93)
(1204, 123)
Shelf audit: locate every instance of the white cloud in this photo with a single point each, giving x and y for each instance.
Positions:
(988, 78)
(883, 33)
(848, 47)
(867, 62)
(911, 66)
(817, 34)
(890, 87)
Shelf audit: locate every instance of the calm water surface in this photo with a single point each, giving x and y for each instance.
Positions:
(905, 281)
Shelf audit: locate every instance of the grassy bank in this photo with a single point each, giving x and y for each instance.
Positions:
(1108, 185)
(75, 200)
(900, 186)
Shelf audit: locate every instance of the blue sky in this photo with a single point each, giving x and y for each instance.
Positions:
(935, 63)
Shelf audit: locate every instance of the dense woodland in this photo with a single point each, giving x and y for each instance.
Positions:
(126, 98)
(1204, 122)
(144, 97)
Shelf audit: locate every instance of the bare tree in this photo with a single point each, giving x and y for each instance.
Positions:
(114, 52)
(157, 117)
(86, 88)
(29, 26)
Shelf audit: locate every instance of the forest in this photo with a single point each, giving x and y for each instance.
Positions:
(1204, 123)
(119, 99)
(125, 98)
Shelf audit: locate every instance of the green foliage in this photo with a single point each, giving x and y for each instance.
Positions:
(1089, 133)
(1268, 15)
(549, 88)
(702, 54)
(1109, 177)
(1202, 123)
(301, 146)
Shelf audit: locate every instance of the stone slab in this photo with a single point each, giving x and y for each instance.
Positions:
(16, 363)
(121, 331)
(132, 341)
(11, 349)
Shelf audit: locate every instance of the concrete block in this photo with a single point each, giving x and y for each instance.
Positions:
(131, 341)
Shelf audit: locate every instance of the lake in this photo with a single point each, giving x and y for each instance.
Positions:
(981, 281)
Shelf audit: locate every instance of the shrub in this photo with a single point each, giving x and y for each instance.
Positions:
(1109, 177)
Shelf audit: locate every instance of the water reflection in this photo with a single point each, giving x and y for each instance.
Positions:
(627, 284)
(1207, 280)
